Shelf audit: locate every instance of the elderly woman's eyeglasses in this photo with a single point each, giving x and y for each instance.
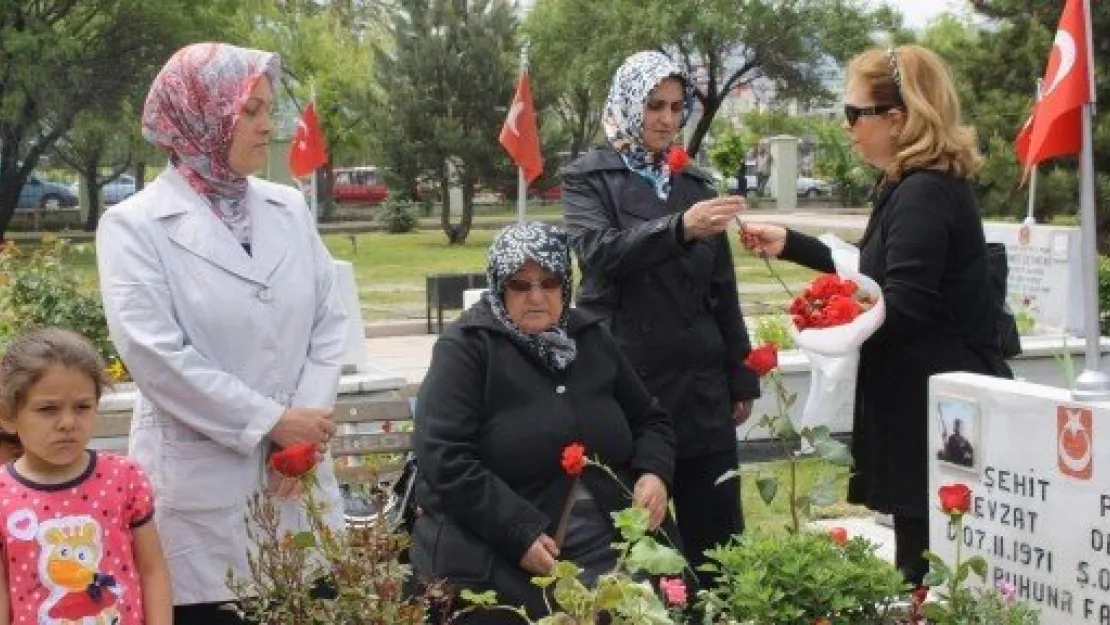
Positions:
(853, 113)
(520, 285)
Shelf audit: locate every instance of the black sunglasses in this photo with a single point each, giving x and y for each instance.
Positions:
(520, 285)
(853, 113)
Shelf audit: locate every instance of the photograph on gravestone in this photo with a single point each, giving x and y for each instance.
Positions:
(959, 428)
(1040, 509)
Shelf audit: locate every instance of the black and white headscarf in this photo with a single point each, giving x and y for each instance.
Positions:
(547, 246)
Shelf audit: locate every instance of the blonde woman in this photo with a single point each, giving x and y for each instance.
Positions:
(924, 245)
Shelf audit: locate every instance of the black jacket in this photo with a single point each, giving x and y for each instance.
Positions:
(924, 245)
(491, 425)
(671, 305)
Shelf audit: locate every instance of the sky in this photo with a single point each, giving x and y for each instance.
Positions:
(918, 13)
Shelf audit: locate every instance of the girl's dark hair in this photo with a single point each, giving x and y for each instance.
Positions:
(30, 355)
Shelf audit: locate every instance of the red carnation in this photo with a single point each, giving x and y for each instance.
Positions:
(838, 535)
(295, 460)
(574, 459)
(762, 359)
(677, 158)
(955, 499)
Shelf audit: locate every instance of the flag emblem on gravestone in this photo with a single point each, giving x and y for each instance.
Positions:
(1074, 435)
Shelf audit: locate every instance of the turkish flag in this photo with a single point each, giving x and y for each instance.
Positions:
(519, 136)
(307, 152)
(1054, 128)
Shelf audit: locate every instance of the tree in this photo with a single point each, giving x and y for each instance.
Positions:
(96, 138)
(60, 57)
(447, 84)
(996, 70)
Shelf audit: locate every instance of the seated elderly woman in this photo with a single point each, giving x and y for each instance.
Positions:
(515, 380)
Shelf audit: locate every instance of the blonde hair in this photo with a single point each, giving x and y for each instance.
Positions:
(916, 79)
(31, 355)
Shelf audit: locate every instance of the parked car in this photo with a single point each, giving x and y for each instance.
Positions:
(119, 189)
(39, 193)
(363, 185)
(813, 187)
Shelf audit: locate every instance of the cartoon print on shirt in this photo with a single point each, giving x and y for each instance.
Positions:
(69, 567)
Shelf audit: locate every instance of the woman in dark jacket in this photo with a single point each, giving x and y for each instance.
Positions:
(657, 266)
(925, 247)
(514, 381)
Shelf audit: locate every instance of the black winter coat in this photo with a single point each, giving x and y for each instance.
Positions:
(491, 425)
(671, 305)
(924, 245)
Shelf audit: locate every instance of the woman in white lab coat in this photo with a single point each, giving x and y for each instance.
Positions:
(221, 299)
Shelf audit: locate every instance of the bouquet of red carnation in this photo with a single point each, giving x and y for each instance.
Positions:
(829, 301)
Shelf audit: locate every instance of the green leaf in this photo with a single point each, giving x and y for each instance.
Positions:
(564, 569)
(727, 475)
(487, 598)
(543, 581)
(935, 577)
(824, 494)
(936, 612)
(768, 487)
(979, 565)
(648, 555)
(834, 452)
(784, 429)
(304, 540)
(632, 523)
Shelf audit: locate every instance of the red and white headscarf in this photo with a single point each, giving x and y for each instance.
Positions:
(191, 112)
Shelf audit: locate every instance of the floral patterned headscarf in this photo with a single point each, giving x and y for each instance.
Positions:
(191, 112)
(547, 246)
(623, 119)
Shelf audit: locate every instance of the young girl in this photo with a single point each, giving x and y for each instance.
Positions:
(79, 544)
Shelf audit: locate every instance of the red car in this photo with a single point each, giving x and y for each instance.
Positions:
(359, 185)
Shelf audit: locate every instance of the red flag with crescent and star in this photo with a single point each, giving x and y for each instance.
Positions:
(307, 152)
(1054, 128)
(519, 136)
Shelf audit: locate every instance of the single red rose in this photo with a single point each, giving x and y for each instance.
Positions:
(574, 459)
(294, 461)
(841, 309)
(839, 535)
(955, 499)
(762, 359)
(677, 159)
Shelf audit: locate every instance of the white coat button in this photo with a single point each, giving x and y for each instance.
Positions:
(265, 295)
(560, 389)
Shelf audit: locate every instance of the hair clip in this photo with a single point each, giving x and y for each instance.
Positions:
(892, 61)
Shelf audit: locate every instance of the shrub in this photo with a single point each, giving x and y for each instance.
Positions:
(398, 216)
(798, 578)
(773, 329)
(40, 288)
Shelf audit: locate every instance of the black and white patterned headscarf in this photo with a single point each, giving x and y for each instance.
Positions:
(623, 119)
(546, 246)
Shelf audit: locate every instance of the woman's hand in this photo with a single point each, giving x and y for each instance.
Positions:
(763, 239)
(540, 557)
(711, 217)
(304, 425)
(651, 493)
(280, 487)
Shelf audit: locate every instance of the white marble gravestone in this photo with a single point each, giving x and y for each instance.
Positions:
(1040, 481)
(1045, 278)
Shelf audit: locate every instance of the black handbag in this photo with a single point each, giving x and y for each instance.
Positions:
(998, 273)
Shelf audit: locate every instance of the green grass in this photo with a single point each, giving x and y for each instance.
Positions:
(774, 517)
(390, 269)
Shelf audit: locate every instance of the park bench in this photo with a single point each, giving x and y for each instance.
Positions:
(372, 444)
(445, 291)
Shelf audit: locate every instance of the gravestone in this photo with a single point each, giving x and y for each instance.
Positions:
(1045, 284)
(783, 184)
(1038, 465)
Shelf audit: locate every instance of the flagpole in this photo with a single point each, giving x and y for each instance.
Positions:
(1092, 384)
(521, 183)
(1030, 220)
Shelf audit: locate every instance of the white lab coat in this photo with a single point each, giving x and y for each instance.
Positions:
(219, 343)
